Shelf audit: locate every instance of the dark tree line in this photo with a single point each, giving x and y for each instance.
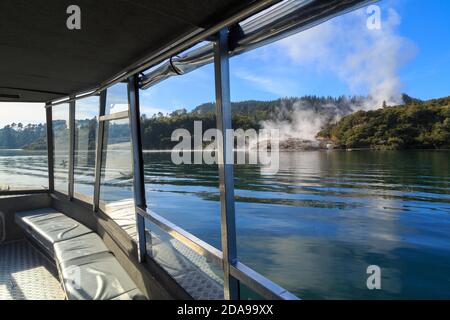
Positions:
(17, 135)
(157, 130)
(417, 124)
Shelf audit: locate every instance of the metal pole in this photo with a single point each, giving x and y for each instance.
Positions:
(48, 111)
(71, 147)
(99, 150)
(226, 175)
(138, 163)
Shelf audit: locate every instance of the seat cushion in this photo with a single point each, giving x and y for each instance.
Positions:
(23, 218)
(87, 269)
(79, 247)
(49, 226)
(95, 277)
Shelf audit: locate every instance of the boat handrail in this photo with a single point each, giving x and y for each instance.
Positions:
(249, 277)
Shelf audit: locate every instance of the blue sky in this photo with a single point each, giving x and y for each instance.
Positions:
(411, 54)
(427, 23)
(413, 43)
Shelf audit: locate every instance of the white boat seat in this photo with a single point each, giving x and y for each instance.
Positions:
(88, 270)
(49, 226)
(97, 277)
(82, 246)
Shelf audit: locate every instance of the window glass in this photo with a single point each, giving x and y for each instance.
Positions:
(175, 180)
(116, 189)
(23, 146)
(181, 186)
(349, 193)
(199, 275)
(61, 139)
(86, 114)
(117, 98)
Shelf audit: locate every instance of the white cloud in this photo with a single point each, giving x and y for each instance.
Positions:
(21, 112)
(279, 88)
(366, 60)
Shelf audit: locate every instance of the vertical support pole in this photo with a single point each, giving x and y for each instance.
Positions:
(99, 150)
(71, 147)
(226, 175)
(49, 119)
(138, 162)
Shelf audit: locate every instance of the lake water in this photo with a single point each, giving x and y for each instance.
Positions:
(20, 169)
(316, 225)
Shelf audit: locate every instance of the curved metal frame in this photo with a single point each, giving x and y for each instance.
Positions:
(234, 271)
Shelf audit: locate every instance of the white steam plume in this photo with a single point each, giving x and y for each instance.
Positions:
(302, 121)
(366, 60)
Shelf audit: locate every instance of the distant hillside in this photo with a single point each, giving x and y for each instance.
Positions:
(17, 135)
(417, 124)
(157, 129)
(265, 110)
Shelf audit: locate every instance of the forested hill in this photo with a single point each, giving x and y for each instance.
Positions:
(157, 129)
(18, 135)
(417, 124)
(266, 110)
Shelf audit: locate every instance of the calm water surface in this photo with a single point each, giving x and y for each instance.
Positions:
(22, 169)
(318, 224)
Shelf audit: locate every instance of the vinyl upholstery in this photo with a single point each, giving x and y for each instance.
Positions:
(88, 270)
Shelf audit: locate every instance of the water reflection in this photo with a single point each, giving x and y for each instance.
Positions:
(21, 169)
(316, 225)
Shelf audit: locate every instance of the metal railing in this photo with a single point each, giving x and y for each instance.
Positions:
(234, 271)
(242, 273)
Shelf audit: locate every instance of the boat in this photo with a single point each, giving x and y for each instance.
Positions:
(56, 243)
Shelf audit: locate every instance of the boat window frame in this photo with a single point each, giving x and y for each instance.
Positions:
(132, 114)
(50, 186)
(102, 119)
(235, 272)
(89, 199)
(51, 151)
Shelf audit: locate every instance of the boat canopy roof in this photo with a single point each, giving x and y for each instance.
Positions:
(42, 60)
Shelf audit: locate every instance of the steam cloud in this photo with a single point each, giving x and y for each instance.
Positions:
(365, 60)
(303, 121)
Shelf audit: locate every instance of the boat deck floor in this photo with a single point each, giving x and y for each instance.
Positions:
(26, 274)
